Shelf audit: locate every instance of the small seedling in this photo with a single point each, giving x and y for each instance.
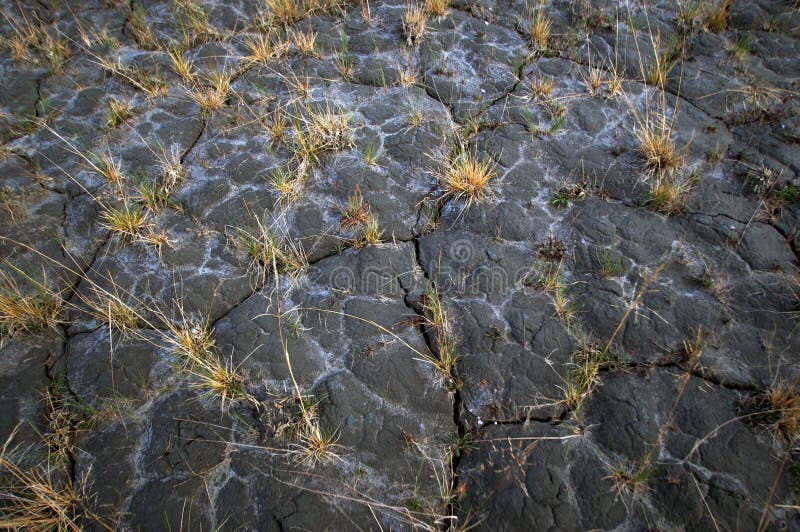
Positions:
(356, 213)
(552, 249)
(740, 50)
(559, 199)
(610, 265)
(371, 154)
(118, 112)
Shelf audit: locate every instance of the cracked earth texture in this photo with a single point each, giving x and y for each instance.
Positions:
(694, 310)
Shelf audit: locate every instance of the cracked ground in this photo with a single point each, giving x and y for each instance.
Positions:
(238, 291)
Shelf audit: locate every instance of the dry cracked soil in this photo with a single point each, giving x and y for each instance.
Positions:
(329, 265)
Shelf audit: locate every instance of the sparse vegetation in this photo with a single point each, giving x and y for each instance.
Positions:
(151, 84)
(176, 365)
(39, 498)
(740, 49)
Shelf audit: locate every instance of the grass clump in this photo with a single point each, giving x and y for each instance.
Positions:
(415, 19)
(542, 87)
(465, 176)
(286, 12)
(539, 25)
(664, 60)
(320, 132)
(288, 185)
(304, 42)
(172, 172)
(107, 167)
(656, 145)
(153, 197)
(194, 344)
(108, 306)
(38, 498)
(128, 220)
(785, 194)
(218, 378)
(264, 48)
(191, 341)
(779, 408)
(609, 263)
(183, 67)
(118, 112)
(314, 445)
(668, 192)
(193, 23)
(629, 478)
(29, 311)
(212, 95)
(356, 213)
(437, 8)
(437, 318)
(716, 15)
(587, 363)
(268, 252)
(140, 28)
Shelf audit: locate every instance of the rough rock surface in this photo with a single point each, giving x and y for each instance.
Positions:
(621, 361)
